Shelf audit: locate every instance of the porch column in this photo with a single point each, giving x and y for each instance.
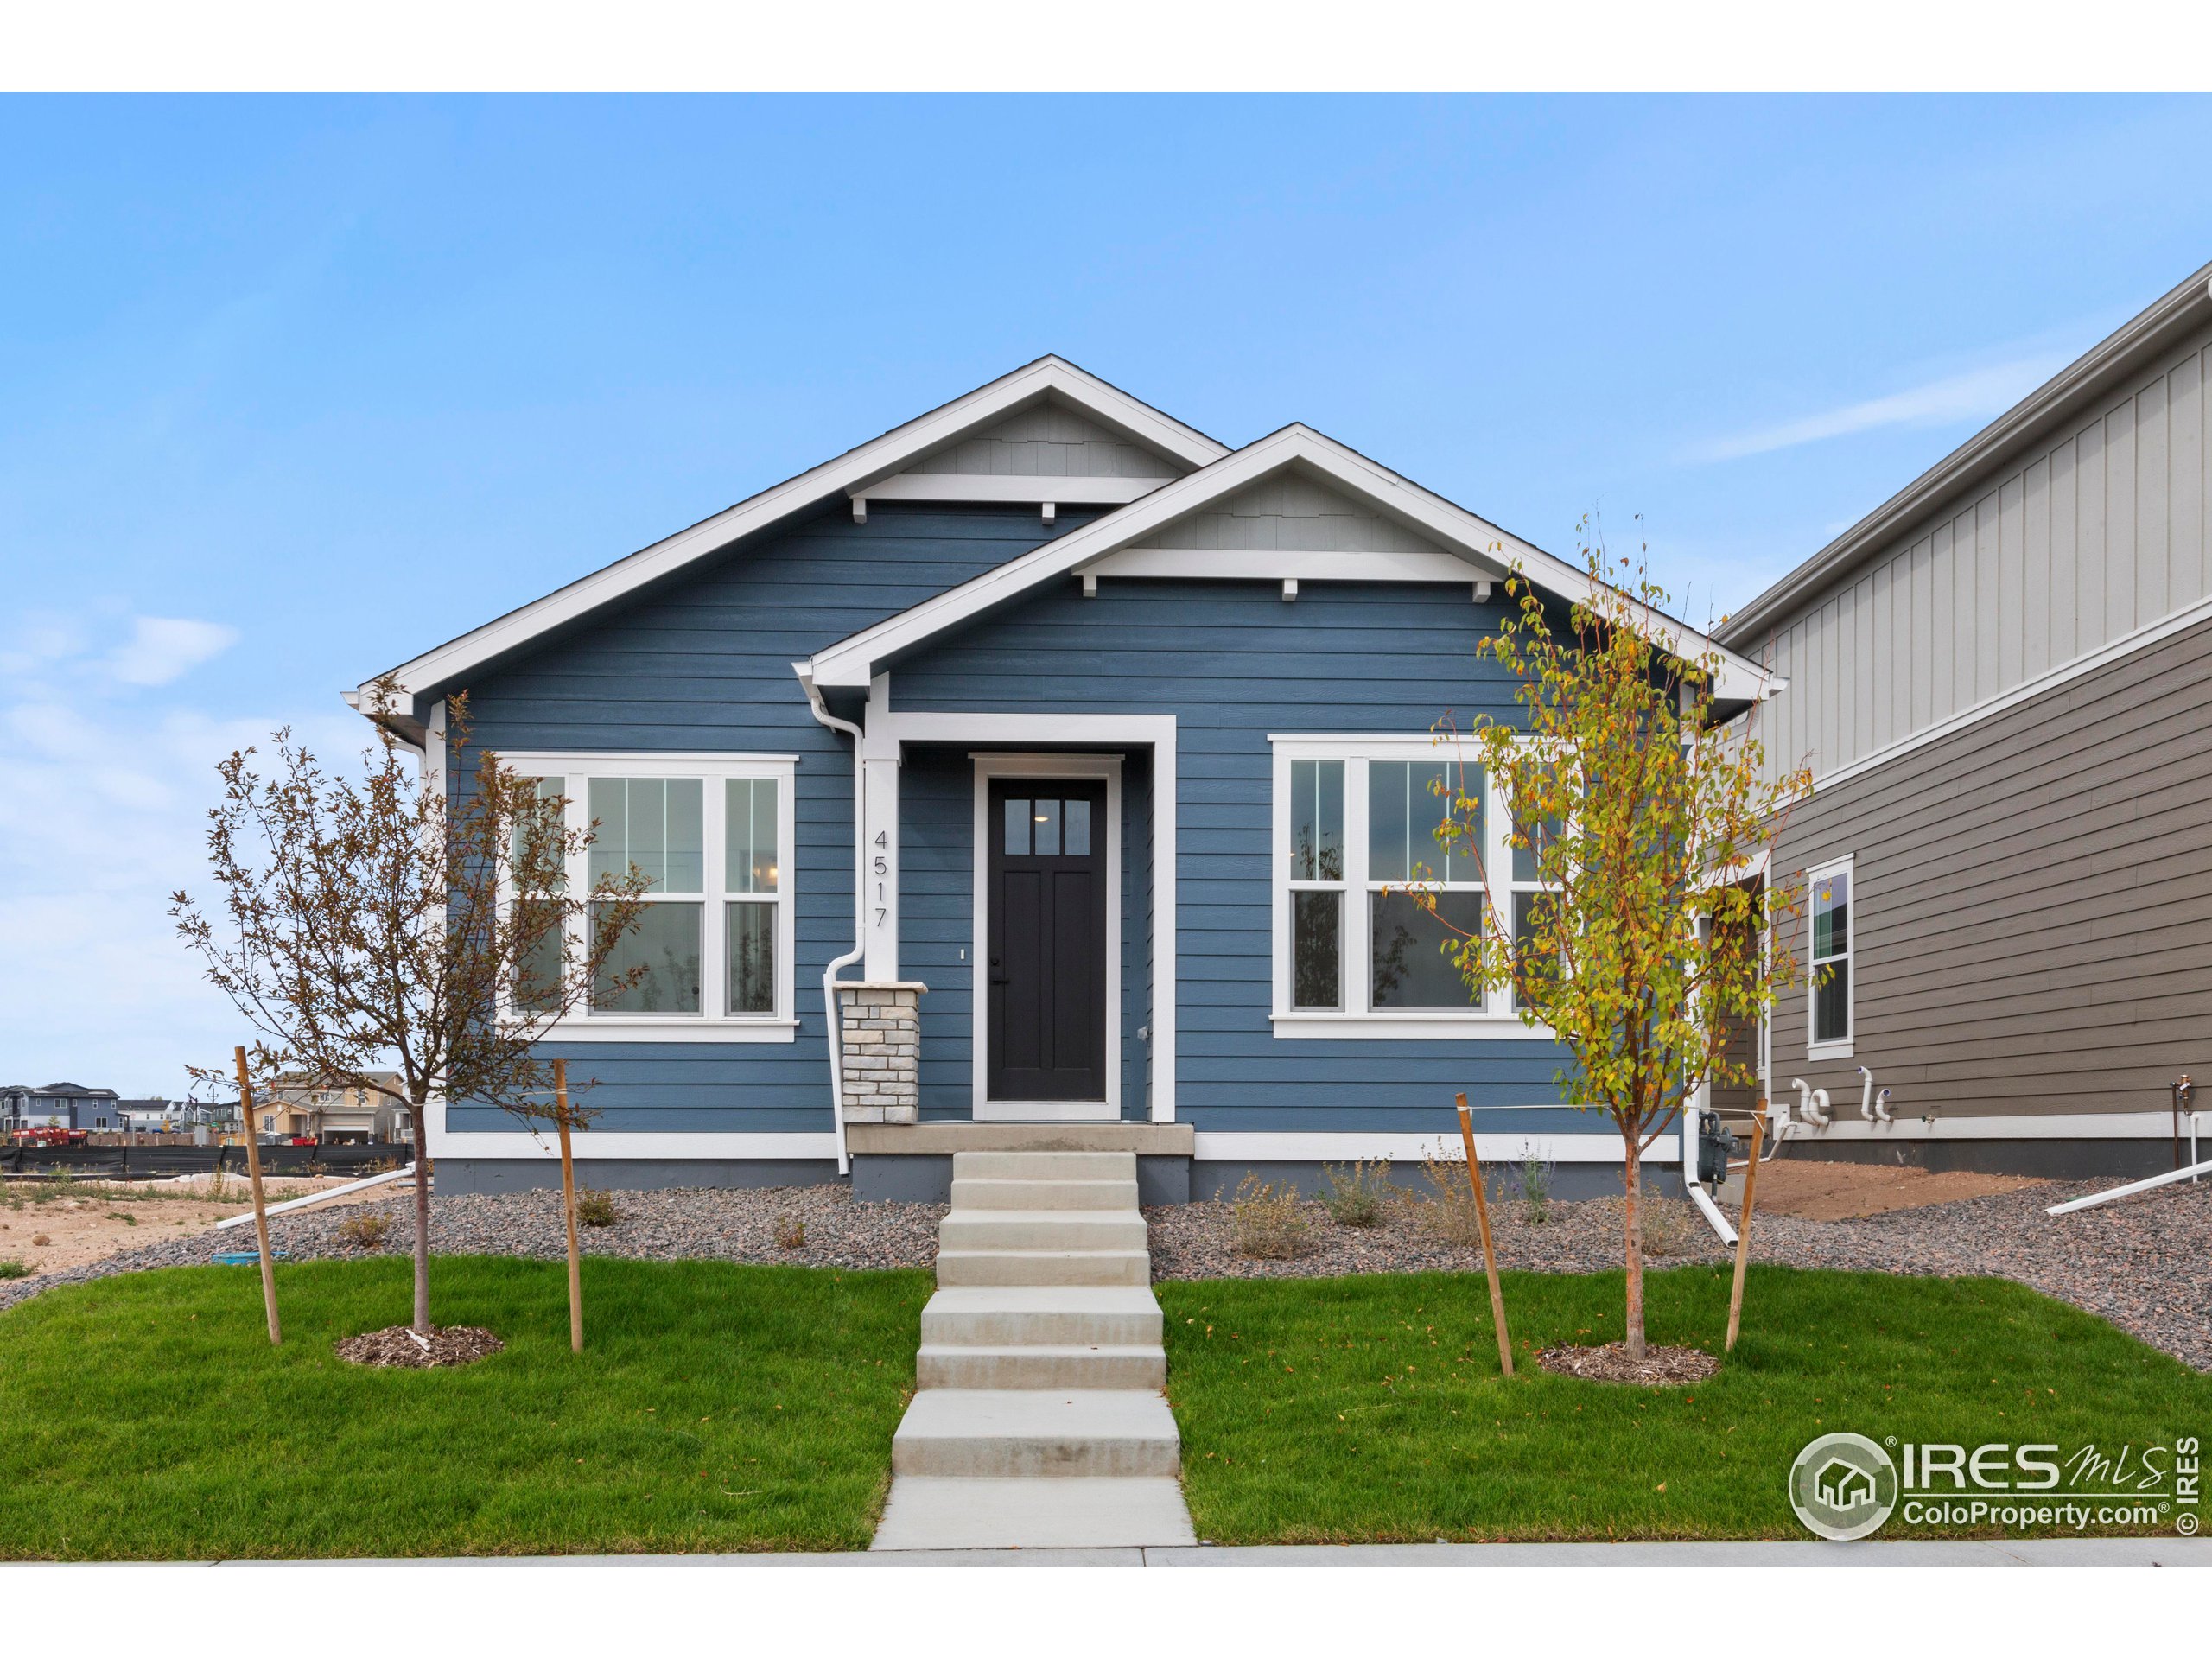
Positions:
(880, 927)
(881, 1028)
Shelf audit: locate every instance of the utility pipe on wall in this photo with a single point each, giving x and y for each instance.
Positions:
(838, 964)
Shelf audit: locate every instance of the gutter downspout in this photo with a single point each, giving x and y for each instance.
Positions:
(838, 964)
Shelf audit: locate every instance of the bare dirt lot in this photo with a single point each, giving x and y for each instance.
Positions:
(1841, 1191)
(52, 1226)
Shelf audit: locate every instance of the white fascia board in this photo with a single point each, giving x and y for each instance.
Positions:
(1268, 565)
(851, 472)
(1018, 488)
(852, 662)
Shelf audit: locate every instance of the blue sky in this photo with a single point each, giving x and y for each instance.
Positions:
(291, 389)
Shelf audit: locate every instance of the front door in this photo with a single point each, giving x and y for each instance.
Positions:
(1046, 967)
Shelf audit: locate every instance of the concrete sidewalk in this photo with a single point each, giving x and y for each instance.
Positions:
(2045, 1552)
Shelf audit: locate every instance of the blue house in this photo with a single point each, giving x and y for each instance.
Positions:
(1029, 775)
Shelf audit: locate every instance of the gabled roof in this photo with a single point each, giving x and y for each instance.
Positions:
(1487, 550)
(429, 676)
(2140, 342)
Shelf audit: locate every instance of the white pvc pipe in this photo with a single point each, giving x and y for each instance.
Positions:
(2189, 1174)
(316, 1198)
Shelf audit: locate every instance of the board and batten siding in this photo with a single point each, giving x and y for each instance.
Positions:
(2032, 896)
(1233, 663)
(2076, 544)
(705, 664)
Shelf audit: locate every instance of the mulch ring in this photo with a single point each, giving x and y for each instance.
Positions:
(398, 1345)
(1611, 1363)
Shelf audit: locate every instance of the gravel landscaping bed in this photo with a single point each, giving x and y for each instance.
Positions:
(718, 1223)
(2143, 1263)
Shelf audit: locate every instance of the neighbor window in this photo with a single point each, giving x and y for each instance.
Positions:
(1831, 955)
(1355, 825)
(712, 944)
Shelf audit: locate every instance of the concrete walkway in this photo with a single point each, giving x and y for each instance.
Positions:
(2049, 1552)
(1037, 1418)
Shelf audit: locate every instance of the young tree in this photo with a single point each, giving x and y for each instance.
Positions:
(381, 924)
(1639, 815)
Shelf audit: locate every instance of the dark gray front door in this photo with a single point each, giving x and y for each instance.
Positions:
(1047, 939)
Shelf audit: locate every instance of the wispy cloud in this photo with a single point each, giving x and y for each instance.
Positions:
(161, 648)
(1976, 395)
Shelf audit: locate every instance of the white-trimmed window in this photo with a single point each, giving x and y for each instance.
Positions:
(1355, 825)
(1829, 991)
(713, 835)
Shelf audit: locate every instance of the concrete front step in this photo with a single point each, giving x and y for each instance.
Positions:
(1044, 1165)
(1041, 1365)
(1005, 1316)
(1042, 1230)
(931, 1512)
(1044, 1267)
(989, 1192)
(1024, 1433)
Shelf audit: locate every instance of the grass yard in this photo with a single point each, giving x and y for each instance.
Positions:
(714, 1407)
(1371, 1410)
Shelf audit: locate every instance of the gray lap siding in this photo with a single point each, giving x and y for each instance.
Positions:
(1233, 663)
(2032, 895)
(706, 665)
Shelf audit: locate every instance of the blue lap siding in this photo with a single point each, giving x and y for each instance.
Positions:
(1233, 663)
(705, 665)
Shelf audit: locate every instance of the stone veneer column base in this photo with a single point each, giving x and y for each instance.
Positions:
(879, 1024)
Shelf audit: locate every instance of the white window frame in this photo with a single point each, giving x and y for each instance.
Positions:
(1843, 1048)
(1495, 1018)
(714, 771)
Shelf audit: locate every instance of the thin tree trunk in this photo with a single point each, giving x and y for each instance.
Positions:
(1634, 1231)
(422, 1220)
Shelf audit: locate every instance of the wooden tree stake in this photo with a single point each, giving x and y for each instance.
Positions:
(569, 1207)
(1744, 1231)
(260, 1210)
(1489, 1256)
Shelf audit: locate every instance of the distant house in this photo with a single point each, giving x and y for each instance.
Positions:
(332, 1116)
(1999, 678)
(60, 1106)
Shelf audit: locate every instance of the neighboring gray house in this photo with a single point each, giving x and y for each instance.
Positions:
(2002, 679)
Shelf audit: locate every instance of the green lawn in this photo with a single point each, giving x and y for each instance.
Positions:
(1371, 1410)
(714, 1407)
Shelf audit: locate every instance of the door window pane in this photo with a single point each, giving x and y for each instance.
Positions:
(1407, 966)
(657, 823)
(1079, 829)
(1017, 828)
(1317, 820)
(749, 827)
(1046, 819)
(666, 943)
(1316, 950)
(752, 959)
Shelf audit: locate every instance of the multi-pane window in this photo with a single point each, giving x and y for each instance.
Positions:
(710, 838)
(1357, 856)
(1316, 884)
(1831, 954)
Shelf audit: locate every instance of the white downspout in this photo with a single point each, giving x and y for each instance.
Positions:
(838, 964)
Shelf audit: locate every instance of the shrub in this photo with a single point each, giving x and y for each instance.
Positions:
(1266, 1221)
(1535, 1173)
(1448, 1212)
(1358, 1193)
(1670, 1226)
(791, 1232)
(13, 1270)
(596, 1207)
(366, 1231)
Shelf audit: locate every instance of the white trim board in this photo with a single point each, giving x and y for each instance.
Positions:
(2049, 680)
(1600, 1144)
(2017, 1126)
(645, 1144)
(1085, 768)
(856, 470)
(1014, 489)
(1486, 552)
(886, 730)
